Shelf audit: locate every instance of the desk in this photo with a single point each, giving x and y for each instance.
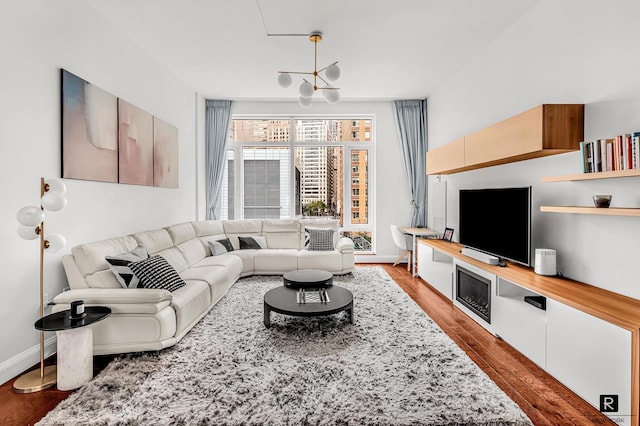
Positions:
(415, 233)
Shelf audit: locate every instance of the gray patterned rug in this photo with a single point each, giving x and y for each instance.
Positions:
(394, 366)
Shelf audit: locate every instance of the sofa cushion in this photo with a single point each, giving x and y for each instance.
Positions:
(181, 232)
(247, 257)
(232, 263)
(155, 272)
(102, 279)
(245, 228)
(275, 261)
(190, 302)
(204, 228)
(175, 258)
(212, 274)
(255, 242)
(192, 250)
(282, 233)
(326, 260)
(320, 239)
(217, 277)
(154, 241)
(119, 265)
(90, 257)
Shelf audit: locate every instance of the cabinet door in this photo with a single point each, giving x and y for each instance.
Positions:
(518, 323)
(590, 356)
(436, 269)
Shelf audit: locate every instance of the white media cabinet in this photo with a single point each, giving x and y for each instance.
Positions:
(587, 338)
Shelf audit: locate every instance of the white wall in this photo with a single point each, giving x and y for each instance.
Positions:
(571, 51)
(390, 191)
(37, 38)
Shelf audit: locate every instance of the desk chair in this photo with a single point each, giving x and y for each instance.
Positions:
(404, 243)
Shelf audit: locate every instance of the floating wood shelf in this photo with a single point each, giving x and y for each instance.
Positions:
(611, 211)
(591, 176)
(547, 129)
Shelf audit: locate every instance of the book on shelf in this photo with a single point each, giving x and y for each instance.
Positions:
(597, 161)
(583, 157)
(610, 166)
(602, 144)
(635, 143)
(588, 148)
(604, 155)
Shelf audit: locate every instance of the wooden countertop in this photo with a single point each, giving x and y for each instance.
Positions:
(615, 308)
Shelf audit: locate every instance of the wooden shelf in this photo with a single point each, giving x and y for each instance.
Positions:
(591, 176)
(611, 211)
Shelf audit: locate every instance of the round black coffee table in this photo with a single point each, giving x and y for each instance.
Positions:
(287, 301)
(308, 278)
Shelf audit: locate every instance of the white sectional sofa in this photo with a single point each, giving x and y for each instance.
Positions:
(145, 319)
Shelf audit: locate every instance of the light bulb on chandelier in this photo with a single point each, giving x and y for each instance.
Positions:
(307, 89)
(304, 102)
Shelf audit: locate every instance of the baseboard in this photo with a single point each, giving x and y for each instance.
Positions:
(377, 259)
(23, 361)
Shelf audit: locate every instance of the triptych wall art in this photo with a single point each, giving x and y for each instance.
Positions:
(107, 139)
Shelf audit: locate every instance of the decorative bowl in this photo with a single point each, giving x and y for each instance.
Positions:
(602, 201)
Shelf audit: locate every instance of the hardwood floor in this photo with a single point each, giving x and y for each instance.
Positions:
(545, 400)
(541, 397)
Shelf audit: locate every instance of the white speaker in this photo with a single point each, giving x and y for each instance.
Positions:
(545, 262)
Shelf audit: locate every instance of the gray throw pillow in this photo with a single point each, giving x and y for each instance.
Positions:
(155, 272)
(119, 265)
(320, 239)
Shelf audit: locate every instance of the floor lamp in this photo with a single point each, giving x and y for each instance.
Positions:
(31, 227)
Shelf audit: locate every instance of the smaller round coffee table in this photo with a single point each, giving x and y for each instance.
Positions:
(287, 301)
(308, 278)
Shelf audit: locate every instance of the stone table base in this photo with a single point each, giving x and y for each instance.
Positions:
(75, 357)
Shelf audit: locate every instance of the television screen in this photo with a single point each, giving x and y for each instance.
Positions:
(497, 221)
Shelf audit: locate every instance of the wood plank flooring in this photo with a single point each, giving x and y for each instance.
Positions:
(545, 400)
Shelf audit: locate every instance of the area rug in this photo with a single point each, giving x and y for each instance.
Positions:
(393, 366)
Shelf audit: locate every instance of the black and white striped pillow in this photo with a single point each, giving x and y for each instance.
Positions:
(119, 265)
(320, 239)
(155, 272)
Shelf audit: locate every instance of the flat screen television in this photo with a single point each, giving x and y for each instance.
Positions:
(497, 221)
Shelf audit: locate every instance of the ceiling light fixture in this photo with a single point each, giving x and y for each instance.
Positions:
(307, 89)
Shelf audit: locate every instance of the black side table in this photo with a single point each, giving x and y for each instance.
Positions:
(75, 344)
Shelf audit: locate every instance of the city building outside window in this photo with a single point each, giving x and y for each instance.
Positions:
(298, 167)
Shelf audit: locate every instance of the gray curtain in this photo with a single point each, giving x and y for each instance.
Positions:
(411, 120)
(217, 123)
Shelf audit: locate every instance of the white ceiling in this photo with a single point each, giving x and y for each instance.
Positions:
(387, 49)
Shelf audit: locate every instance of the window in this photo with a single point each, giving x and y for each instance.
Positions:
(301, 167)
